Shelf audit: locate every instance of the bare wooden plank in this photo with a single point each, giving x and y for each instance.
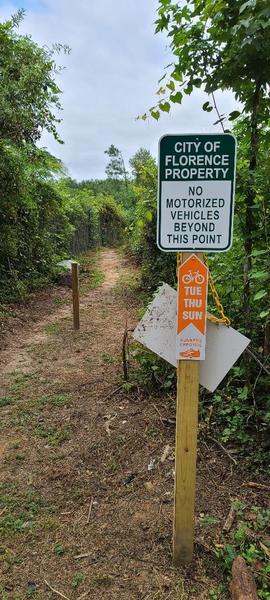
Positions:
(185, 460)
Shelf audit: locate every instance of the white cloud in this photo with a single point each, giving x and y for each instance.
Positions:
(111, 76)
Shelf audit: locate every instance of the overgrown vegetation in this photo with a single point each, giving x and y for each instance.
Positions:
(42, 219)
(45, 215)
(228, 44)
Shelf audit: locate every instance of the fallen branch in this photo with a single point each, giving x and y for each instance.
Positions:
(222, 448)
(164, 419)
(165, 453)
(229, 521)
(107, 424)
(263, 367)
(112, 393)
(242, 585)
(78, 556)
(259, 486)
(56, 591)
(89, 511)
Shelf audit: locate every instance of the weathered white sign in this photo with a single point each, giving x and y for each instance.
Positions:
(196, 192)
(157, 329)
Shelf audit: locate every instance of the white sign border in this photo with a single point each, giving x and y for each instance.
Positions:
(168, 250)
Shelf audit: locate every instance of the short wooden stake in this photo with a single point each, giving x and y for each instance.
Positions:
(75, 295)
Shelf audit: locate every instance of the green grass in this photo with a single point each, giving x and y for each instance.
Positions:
(92, 281)
(19, 419)
(3, 313)
(77, 579)
(59, 550)
(91, 277)
(6, 401)
(53, 400)
(127, 286)
(108, 359)
(52, 328)
(54, 436)
(208, 520)
(23, 512)
(20, 382)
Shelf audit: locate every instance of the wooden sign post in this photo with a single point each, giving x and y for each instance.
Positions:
(190, 347)
(185, 460)
(195, 214)
(75, 295)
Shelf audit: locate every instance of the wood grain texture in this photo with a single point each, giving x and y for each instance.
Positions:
(185, 460)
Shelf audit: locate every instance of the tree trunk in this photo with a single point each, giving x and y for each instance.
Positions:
(266, 347)
(250, 197)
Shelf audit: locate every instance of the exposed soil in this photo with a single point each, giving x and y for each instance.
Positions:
(86, 502)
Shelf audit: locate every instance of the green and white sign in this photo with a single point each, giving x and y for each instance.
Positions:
(196, 192)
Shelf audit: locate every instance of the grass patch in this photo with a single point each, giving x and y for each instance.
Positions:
(92, 281)
(20, 419)
(3, 313)
(52, 328)
(22, 512)
(20, 381)
(53, 400)
(109, 359)
(53, 435)
(77, 579)
(128, 287)
(7, 401)
(91, 277)
(59, 550)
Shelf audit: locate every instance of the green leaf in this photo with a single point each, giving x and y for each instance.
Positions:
(176, 98)
(148, 216)
(177, 76)
(259, 275)
(207, 106)
(171, 86)
(234, 115)
(264, 313)
(155, 114)
(259, 252)
(260, 294)
(246, 5)
(165, 106)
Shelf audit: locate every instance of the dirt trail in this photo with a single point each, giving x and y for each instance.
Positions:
(85, 500)
(17, 356)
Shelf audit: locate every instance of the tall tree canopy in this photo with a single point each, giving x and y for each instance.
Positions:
(29, 94)
(223, 45)
(217, 45)
(115, 168)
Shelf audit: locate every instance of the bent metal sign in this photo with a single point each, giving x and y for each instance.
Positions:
(196, 192)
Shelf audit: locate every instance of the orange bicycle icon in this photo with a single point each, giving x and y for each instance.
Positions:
(191, 353)
(191, 276)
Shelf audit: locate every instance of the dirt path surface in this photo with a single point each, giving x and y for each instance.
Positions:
(86, 487)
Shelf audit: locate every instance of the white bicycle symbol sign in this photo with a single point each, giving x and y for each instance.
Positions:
(195, 276)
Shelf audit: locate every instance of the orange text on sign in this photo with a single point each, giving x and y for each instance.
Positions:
(192, 294)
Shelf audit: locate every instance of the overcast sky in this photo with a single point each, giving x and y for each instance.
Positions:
(110, 77)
